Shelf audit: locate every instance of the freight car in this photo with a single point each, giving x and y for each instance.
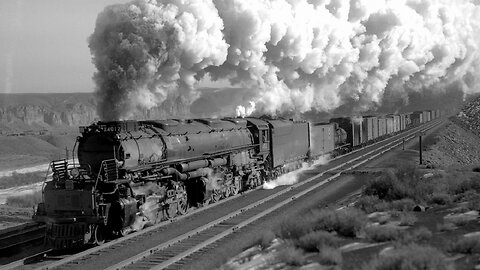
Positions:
(133, 173)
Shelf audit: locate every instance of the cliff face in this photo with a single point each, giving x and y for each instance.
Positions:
(24, 112)
(43, 111)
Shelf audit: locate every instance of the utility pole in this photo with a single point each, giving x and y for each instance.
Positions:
(420, 134)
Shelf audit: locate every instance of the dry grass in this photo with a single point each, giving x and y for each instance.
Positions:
(446, 227)
(465, 245)
(405, 204)
(291, 256)
(407, 219)
(265, 239)
(330, 256)
(25, 201)
(383, 233)
(347, 223)
(317, 241)
(405, 184)
(410, 257)
(21, 179)
(420, 235)
(370, 204)
(441, 199)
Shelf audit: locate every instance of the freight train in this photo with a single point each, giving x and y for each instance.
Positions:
(133, 173)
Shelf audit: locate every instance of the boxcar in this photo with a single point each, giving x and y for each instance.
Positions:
(353, 128)
(416, 118)
(322, 138)
(396, 123)
(369, 128)
(382, 126)
(426, 116)
(390, 124)
(403, 121)
(289, 141)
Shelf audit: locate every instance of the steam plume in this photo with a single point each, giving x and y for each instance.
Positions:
(291, 178)
(298, 55)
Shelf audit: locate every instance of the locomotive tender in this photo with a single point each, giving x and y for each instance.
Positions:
(132, 173)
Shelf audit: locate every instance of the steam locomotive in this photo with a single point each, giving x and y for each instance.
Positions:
(131, 174)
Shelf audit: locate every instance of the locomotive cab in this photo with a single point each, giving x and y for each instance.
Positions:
(261, 137)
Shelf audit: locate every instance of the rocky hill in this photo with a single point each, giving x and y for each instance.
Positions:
(21, 112)
(37, 112)
(469, 116)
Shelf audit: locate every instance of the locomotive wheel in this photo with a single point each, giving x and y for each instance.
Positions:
(235, 188)
(182, 206)
(87, 237)
(216, 195)
(172, 210)
(99, 234)
(226, 192)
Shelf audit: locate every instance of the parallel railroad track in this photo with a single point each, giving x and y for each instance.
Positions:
(20, 236)
(171, 252)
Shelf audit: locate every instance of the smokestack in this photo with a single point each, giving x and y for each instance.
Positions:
(296, 55)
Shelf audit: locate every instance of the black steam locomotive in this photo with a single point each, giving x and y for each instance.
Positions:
(133, 173)
(169, 166)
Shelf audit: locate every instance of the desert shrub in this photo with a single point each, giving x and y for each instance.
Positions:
(383, 233)
(419, 235)
(265, 239)
(295, 228)
(317, 240)
(459, 220)
(25, 201)
(400, 183)
(441, 199)
(330, 256)
(370, 204)
(411, 257)
(386, 187)
(345, 222)
(405, 204)
(465, 245)
(446, 227)
(291, 256)
(21, 179)
(350, 221)
(463, 184)
(367, 203)
(473, 204)
(407, 219)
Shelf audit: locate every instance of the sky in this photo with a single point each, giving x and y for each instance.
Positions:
(43, 45)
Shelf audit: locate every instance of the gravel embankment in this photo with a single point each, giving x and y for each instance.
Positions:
(453, 147)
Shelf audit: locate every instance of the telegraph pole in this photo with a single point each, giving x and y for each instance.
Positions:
(420, 134)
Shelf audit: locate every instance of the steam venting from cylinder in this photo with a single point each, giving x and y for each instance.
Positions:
(296, 55)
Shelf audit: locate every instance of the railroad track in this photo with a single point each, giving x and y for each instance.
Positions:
(21, 241)
(18, 237)
(172, 251)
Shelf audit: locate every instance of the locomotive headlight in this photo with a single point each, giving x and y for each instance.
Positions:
(74, 172)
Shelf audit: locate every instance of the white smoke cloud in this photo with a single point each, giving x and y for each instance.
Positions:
(243, 111)
(291, 178)
(298, 54)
